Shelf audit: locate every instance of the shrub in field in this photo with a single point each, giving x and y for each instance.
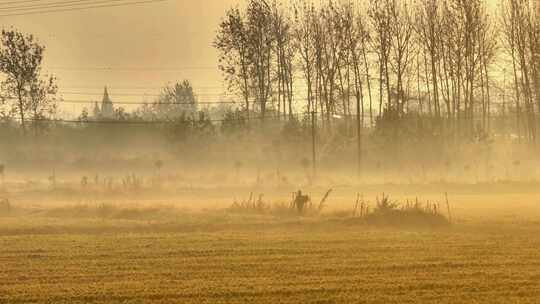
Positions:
(300, 205)
(132, 183)
(392, 213)
(251, 205)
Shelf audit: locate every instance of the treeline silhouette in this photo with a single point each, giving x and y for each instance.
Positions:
(456, 66)
(390, 85)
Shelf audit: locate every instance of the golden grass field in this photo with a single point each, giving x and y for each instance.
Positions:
(178, 254)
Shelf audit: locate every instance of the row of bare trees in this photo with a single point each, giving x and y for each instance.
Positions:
(521, 39)
(376, 59)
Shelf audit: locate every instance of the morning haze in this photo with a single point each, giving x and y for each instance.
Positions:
(173, 35)
(267, 151)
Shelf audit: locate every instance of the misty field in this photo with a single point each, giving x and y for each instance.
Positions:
(62, 255)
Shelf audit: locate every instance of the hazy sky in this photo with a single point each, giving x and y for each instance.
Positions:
(144, 45)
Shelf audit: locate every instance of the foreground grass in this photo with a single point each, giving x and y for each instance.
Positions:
(301, 263)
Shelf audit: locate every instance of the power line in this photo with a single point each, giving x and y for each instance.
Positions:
(124, 87)
(157, 103)
(142, 95)
(130, 69)
(224, 102)
(75, 101)
(120, 87)
(19, 2)
(239, 102)
(58, 4)
(151, 103)
(78, 8)
(170, 121)
(149, 122)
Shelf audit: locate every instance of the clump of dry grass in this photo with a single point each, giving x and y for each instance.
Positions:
(300, 205)
(392, 213)
(132, 183)
(251, 205)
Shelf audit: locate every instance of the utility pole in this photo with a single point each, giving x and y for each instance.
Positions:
(314, 141)
(359, 133)
(504, 105)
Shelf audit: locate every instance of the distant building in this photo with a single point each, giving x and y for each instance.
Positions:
(106, 111)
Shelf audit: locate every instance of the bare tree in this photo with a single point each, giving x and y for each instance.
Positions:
(509, 30)
(401, 41)
(260, 45)
(42, 97)
(175, 101)
(304, 33)
(284, 52)
(488, 50)
(232, 43)
(20, 62)
(428, 28)
(517, 20)
(380, 23)
(363, 32)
